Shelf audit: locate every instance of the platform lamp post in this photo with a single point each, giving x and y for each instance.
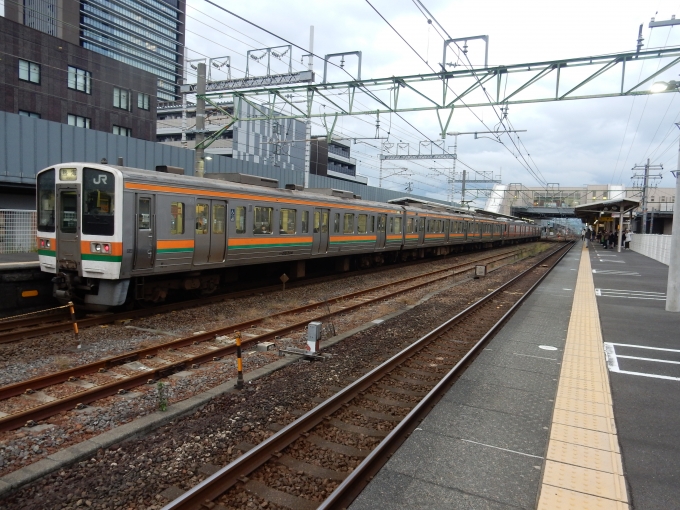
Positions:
(673, 288)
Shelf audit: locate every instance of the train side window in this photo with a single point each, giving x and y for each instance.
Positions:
(336, 223)
(219, 214)
(391, 229)
(348, 224)
(317, 221)
(305, 222)
(371, 225)
(421, 228)
(381, 223)
(240, 220)
(440, 226)
(201, 218)
(46, 201)
(176, 218)
(287, 221)
(362, 224)
(409, 225)
(262, 220)
(397, 225)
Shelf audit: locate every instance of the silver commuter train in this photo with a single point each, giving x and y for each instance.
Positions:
(112, 234)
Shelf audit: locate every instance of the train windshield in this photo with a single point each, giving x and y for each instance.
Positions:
(46, 201)
(98, 202)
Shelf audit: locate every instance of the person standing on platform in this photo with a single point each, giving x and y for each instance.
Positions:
(612, 239)
(583, 235)
(628, 239)
(587, 236)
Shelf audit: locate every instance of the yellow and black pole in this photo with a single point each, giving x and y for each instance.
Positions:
(73, 321)
(239, 362)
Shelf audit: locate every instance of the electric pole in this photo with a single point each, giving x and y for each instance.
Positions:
(308, 124)
(645, 187)
(199, 162)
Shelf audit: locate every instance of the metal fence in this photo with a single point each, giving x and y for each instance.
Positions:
(17, 231)
(655, 246)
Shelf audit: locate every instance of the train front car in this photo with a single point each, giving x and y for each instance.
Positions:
(80, 232)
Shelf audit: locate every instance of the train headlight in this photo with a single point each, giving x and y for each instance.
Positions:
(95, 248)
(48, 243)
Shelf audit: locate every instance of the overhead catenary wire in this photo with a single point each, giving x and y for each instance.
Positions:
(426, 13)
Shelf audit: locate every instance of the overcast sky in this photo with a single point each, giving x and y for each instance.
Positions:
(570, 143)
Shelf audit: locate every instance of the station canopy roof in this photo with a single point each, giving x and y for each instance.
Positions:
(594, 210)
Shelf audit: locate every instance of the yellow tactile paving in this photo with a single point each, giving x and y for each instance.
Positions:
(588, 481)
(556, 498)
(584, 437)
(583, 466)
(584, 421)
(600, 460)
(581, 406)
(582, 384)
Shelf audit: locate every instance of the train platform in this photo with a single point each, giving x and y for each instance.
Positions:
(543, 418)
(14, 261)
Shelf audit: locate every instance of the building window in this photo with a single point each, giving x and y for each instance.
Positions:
(122, 131)
(79, 79)
(78, 121)
(142, 101)
(121, 98)
(29, 71)
(29, 114)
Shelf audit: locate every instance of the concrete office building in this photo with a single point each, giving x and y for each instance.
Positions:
(148, 35)
(45, 77)
(279, 143)
(333, 159)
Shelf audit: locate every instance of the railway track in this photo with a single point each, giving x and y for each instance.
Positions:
(366, 421)
(58, 320)
(192, 351)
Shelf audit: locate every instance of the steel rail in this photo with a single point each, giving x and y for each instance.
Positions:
(62, 376)
(13, 336)
(215, 485)
(351, 487)
(49, 409)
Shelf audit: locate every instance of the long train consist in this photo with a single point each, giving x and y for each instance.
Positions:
(112, 234)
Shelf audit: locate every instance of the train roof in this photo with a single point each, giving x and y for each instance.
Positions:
(409, 204)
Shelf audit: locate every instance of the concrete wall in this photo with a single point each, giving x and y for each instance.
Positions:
(29, 145)
(657, 247)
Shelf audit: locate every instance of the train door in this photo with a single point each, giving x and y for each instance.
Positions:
(68, 233)
(145, 232)
(210, 234)
(421, 231)
(320, 231)
(380, 231)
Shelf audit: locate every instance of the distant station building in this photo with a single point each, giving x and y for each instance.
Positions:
(559, 201)
(145, 34)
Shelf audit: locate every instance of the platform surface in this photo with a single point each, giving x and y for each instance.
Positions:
(485, 443)
(643, 355)
(13, 261)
